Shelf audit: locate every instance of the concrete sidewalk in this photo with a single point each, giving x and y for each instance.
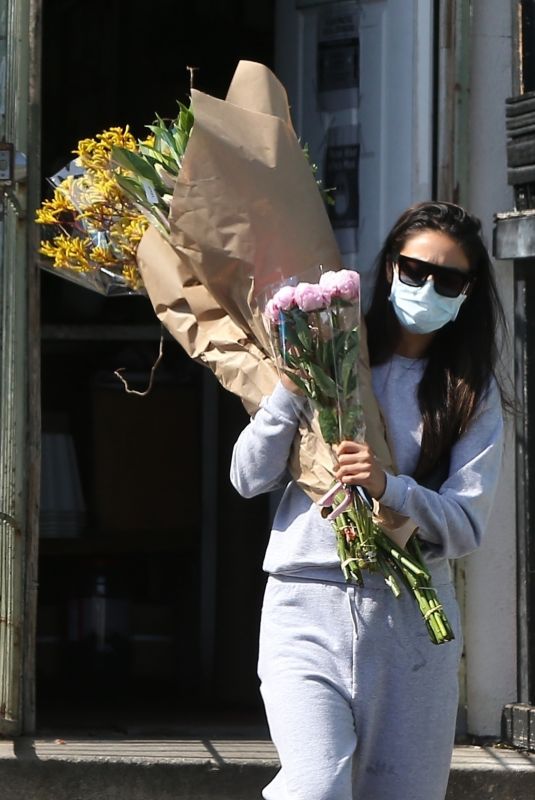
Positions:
(208, 768)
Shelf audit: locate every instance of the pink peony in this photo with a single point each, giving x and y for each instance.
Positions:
(284, 298)
(272, 311)
(310, 296)
(344, 284)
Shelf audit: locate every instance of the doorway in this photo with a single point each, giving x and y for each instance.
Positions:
(133, 628)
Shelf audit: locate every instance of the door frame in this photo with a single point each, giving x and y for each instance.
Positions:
(20, 367)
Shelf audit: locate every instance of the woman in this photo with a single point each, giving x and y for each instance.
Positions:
(359, 702)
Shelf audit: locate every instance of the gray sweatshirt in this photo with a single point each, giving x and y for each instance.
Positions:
(451, 520)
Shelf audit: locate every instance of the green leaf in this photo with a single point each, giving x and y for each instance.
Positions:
(156, 157)
(323, 381)
(185, 118)
(339, 343)
(298, 381)
(161, 136)
(287, 333)
(351, 422)
(291, 360)
(136, 164)
(328, 425)
(348, 368)
(161, 122)
(322, 354)
(170, 140)
(155, 129)
(131, 187)
(303, 331)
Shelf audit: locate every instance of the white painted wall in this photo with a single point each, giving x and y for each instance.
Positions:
(490, 611)
(393, 112)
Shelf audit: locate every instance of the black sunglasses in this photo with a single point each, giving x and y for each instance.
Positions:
(448, 281)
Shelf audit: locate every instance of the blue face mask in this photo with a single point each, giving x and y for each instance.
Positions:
(420, 309)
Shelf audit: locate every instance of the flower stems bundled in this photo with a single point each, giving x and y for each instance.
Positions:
(314, 329)
(393, 562)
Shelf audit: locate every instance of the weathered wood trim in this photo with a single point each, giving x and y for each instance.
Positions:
(18, 476)
(34, 368)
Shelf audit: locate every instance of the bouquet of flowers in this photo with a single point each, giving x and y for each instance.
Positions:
(228, 205)
(92, 228)
(105, 199)
(315, 330)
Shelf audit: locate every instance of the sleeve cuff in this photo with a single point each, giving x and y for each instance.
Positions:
(284, 403)
(395, 492)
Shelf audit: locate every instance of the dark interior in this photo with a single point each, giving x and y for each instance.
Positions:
(142, 621)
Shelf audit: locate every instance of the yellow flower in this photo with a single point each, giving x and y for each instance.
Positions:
(126, 234)
(48, 249)
(68, 252)
(94, 154)
(103, 256)
(136, 228)
(51, 210)
(132, 277)
(149, 141)
(97, 205)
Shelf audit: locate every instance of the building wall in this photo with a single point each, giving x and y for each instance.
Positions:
(489, 588)
(490, 603)
(388, 115)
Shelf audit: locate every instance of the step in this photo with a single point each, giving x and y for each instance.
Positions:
(207, 767)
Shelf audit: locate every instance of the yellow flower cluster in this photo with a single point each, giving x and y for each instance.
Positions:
(86, 206)
(68, 252)
(94, 154)
(52, 211)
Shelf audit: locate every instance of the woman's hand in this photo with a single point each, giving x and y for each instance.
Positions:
(357, 465)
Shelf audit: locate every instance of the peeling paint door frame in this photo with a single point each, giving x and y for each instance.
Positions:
(452, 183)
(19, 365)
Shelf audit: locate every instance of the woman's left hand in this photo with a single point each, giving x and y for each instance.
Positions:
(357, 465)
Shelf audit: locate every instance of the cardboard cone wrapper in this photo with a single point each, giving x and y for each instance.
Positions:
(246, 213)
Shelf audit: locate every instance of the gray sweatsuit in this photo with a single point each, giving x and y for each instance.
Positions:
(359, 702)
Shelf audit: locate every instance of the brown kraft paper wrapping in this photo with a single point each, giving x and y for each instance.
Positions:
(246, 213)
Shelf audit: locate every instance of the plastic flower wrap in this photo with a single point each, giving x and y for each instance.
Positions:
(92, 227)
(314, 328)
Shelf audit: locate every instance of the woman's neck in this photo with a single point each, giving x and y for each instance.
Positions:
(413, 345)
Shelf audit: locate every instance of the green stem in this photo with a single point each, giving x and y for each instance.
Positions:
(391, 561)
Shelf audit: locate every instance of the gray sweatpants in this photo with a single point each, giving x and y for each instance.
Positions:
(360, 704)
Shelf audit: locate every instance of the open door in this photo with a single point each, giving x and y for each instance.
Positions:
(19, 409)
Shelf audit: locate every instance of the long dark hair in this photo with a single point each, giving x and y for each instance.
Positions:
(463, 355)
